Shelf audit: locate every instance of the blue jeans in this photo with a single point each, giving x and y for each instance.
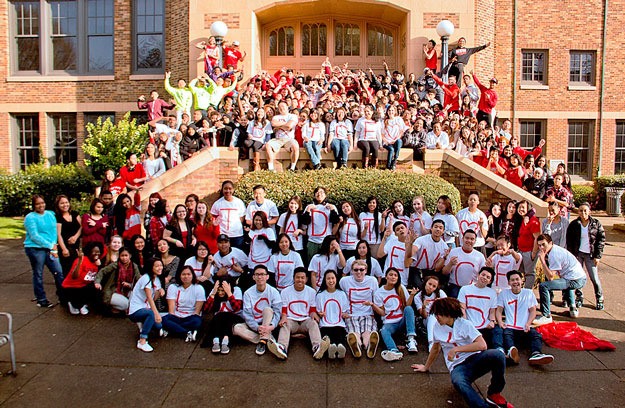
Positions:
(145, 316)
(340, 147)
(452, 290)
(474, 367)
(512, 337)
(567, 287)
(40, 257)
(393, 153)
(388, 329)
(181, 325)
(593, 272)
(314, 151)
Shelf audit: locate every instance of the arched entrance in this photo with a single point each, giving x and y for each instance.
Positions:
(301, 35)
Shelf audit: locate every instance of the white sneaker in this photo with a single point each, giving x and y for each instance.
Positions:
(390, 355)
(321, 348)
(374, 339)
(216, 348)
(539, 321)
(574, 313)
(341, 351)
(84, 310)
(194, 333)
(144, 347)
(163, 333)
(72, 309)
(276, 349)
(189, 337)
(332, 351)
(412, 346)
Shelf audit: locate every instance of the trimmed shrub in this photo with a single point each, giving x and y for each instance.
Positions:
(106, 144)
(582, 193)
(354, 185)
(17, 189)
(601, 183)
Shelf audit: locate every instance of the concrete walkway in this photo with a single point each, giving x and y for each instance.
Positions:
(84, 361)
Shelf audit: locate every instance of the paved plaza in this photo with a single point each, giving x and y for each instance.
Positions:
(89, 361)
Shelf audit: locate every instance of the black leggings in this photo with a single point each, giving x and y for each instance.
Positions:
(80, 297)
(369, 147)
(221, 325)
(337, 334)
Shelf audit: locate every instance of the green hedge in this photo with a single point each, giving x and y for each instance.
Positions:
(583, 193)
(16, 189)
(606, 181)
(354, 185)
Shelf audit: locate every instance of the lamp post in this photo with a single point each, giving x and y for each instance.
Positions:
(219, 29)
(444, 29)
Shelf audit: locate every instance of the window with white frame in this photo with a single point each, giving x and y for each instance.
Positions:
(27, 138)
(534, 67)
(531, 133)
(579, 147)
(61, 36)
(65, 142)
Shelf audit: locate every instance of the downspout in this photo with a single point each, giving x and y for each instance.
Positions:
(514, 63)
(602, 91)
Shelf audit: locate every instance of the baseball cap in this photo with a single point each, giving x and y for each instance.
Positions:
(494, 80)
(236, 43)
(223, 237)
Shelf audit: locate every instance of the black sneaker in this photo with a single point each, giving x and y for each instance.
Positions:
(600, 305)
(579, 302)
(261, 348)
(45, 303)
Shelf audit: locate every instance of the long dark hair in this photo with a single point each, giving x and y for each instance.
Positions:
(367, 257)
(149, 270)
(353, 216)
(120, 213)
(276, 248)
(437, 291)
(325, 246)
(288, 215)
(397, 286)
(376, 217)
(177, 278)
(324, 286)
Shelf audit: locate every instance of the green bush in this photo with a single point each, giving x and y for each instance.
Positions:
(16, 189)
(583, 193)
(354, 185)
(601, 183)
(106, 144)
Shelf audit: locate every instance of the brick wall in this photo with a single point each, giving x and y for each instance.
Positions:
(431, 20)
(485, 23)
(231, 19)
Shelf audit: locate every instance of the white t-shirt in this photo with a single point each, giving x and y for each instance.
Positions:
(465, 271)
(375, 271)
(185, 299)
(393, 130)
(348, 235)
(502, 265)
(320, 225)
(367, 224)
(452, 230)
(415, 222)
(516, 307)
(428, 251)
(254, 302)
(283, 266)
(315, 132)
(461, 334)
(395, 251)
(236, 256)
(298, 305)
(478, 303)
(584, 240)
(229, 214)
(368, 130)
(565, 263)
(319, 264)
(468, 220)
(428, 300)
(227, 306)
(341, 130)
(393, 309)
(358, 293)
(291, 226)
(258, 133)
(196, 265)
(282, 120)
(268, 207)
(138, 298)
(259, 251)
(332, 306)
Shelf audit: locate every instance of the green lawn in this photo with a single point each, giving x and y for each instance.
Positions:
(11, 228)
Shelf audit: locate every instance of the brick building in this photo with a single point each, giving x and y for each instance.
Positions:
(69, 61)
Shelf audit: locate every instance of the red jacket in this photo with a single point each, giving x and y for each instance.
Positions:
(488, 98)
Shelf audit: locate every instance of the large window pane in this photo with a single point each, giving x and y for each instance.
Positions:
(149, 34)
(582, 67)
(101, 53)
(282, 42)
(27, 127)
(64, 30)
(149, 51)
(379, 42)
(27, 35)
(346, 39)
(314, 39)
(578, 148)
(100, 31)
(65, 144)
(531, 133)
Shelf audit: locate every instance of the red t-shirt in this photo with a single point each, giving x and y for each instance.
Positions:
(512, 175)
(208, 233)
(86, 274)
(525, 241)
(117, 187)
(128, 176)
(232, 57)
(431, 63)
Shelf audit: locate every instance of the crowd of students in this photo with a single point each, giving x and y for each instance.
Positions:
(347, 279)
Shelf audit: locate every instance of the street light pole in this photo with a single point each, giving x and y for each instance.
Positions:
(219, 29)
(445, 29)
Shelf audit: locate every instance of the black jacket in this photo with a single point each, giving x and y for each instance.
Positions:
(596, 237)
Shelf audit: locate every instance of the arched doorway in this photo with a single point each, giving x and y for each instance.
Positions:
(303, 35)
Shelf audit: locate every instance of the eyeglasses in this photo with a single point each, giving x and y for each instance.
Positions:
(359, 269)
(260, 274)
